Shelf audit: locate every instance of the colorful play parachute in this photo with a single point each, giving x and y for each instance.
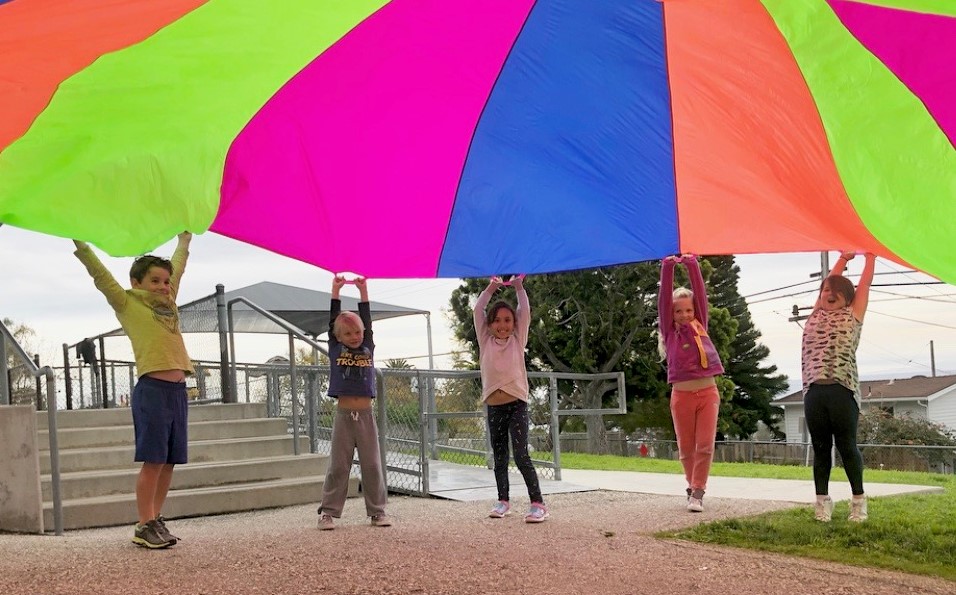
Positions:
(423, 138)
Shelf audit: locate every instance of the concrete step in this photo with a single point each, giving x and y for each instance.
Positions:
(121, 457)
(79, 418)
(89, 437)
(107, 511)
(92, 484)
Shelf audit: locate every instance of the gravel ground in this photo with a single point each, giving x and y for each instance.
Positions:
(595, 542)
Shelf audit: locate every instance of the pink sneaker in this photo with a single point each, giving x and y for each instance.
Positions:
(537, 514)
(502, 508)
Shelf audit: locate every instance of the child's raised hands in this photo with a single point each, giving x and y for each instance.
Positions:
(514, 280)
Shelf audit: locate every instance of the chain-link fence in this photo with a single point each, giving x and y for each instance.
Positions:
(897, 457)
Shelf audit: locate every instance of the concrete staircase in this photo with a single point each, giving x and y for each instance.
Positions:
(239, 459)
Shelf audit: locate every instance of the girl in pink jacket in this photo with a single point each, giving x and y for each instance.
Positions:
(692, 368)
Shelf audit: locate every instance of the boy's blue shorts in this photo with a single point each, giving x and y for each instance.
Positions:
(160, 411)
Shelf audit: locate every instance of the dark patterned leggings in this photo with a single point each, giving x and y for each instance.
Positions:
(832, 417)
(512, 418)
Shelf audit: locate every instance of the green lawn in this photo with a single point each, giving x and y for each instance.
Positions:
(914, 534)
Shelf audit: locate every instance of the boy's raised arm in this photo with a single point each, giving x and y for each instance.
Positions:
(179, 260)
(102, 278)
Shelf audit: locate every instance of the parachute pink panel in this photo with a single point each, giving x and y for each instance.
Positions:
(424, 138)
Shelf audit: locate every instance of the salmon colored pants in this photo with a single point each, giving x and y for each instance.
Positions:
(695, 423)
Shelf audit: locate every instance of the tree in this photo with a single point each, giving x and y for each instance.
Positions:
(755, 385)
(878, 426)
(22, 383)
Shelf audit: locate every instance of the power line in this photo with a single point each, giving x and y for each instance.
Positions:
(914, 320)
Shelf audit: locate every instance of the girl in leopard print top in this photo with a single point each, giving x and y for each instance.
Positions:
(831, 385)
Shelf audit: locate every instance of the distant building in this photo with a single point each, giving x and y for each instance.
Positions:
(924, 397)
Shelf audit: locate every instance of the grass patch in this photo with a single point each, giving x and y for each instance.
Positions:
(913, 533)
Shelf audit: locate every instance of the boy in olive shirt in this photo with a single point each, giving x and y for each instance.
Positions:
(149, 315)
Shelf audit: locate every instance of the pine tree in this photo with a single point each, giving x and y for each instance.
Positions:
(756, 384)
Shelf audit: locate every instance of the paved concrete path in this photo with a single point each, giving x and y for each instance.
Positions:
(746, 488)
(470, 484)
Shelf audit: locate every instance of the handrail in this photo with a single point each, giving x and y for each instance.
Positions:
(293, 331)
(48, 373)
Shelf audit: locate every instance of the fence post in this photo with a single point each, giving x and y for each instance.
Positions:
(4, 377)
(67, 379)
(555, 427)
(40, 407)
(229, 393)
(293, 392)
(105, 403)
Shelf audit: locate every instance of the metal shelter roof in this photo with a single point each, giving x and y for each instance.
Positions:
(307, 309)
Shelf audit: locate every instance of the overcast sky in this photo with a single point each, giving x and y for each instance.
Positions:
(43, 286)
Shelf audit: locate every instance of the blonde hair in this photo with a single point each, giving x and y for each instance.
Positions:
(679, 293)
(347, 319)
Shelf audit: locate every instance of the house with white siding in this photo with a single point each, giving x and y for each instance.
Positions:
(927, 397)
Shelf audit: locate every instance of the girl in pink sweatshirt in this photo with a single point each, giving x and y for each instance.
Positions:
(502, 337)
(692, 369)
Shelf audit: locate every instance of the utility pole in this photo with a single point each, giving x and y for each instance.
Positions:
(824, 271)
(932, 359)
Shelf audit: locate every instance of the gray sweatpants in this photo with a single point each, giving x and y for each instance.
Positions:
(350, 430)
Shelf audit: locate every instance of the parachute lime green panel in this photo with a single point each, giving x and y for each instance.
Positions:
(424, 138)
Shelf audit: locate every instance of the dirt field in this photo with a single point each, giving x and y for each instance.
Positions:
(595, 542)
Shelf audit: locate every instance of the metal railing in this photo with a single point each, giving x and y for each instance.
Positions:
(47, 372)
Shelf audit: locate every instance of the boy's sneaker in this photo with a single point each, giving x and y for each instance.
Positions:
(381, 520)
(689, 492)
(164, 532)
(823, 510)
(148, 536)
(537, 513)
(325, 522)
(858, 512)
(501, 509)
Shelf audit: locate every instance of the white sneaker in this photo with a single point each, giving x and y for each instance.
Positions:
(695, 505)
(858, 512)
(325, 522)
(824, 509)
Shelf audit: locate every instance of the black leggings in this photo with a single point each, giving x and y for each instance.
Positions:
(833, 416)
(512, 418)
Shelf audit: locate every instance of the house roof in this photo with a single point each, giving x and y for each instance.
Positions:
(894, 389)
(306, 309)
